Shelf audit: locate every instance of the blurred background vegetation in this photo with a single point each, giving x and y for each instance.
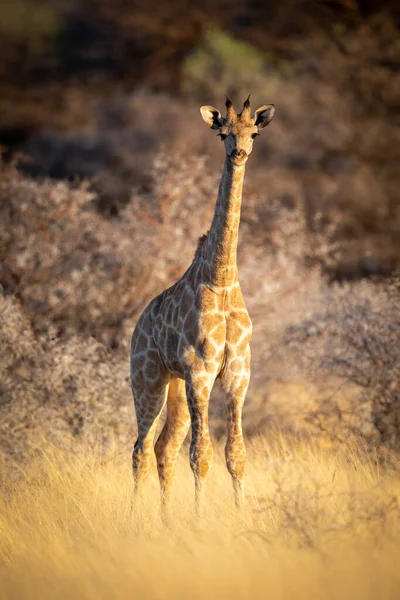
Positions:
(49, 47)
(108, 177)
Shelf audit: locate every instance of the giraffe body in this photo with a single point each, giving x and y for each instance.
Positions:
(196, 331)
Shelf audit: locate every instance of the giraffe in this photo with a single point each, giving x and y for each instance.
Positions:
(199, 330)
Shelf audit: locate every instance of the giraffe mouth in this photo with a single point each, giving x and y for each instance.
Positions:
(238, 159)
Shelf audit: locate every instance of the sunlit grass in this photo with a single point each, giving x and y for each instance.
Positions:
(318, 523)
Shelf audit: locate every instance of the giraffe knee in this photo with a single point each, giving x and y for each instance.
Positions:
(235, 453)
(201, 456)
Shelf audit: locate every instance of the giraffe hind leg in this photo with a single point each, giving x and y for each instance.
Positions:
(171, 438)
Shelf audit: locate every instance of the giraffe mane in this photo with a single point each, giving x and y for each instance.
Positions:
(200, 244)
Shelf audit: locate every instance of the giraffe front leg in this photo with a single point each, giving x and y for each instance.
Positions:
(201, 450)
(235, 382)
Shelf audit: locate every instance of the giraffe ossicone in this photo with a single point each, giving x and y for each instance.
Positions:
(197, 331)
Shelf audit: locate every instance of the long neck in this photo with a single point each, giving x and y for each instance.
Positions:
(222, 239)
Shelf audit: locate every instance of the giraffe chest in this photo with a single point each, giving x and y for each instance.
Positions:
(190, 330)
(194, 330)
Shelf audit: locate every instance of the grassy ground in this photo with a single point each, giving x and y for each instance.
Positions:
(319, 522)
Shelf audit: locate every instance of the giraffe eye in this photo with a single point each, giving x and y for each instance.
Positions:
(222, 136)
(254, 135)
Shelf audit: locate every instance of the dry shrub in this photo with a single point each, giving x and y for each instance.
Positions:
(353, 343)
(59, 390)
(70, 267)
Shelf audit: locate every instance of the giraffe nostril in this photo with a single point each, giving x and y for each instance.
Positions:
(238, 154)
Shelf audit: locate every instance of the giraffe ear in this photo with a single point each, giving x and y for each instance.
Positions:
(211, 117)
(263, 115)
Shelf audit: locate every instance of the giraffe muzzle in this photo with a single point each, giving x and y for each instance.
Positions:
(238, 156)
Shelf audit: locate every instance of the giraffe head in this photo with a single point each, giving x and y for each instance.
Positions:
(238, 131)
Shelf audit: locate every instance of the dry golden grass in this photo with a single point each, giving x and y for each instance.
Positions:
(319, 522)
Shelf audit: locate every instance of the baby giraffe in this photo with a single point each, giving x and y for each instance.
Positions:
(197, 331)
